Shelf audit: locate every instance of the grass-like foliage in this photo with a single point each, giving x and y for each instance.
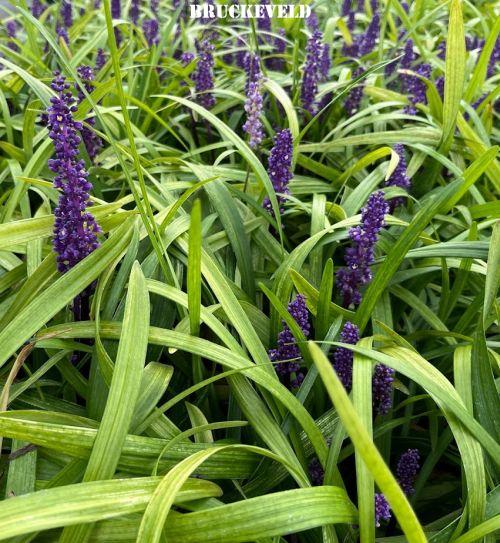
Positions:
(249, 273)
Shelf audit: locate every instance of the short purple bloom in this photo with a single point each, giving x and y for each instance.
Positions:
(342, 359)
(407, 469)
(66, 13)
(382, 509)
(287, 351)
(360, 255)
(75, 229)
(383, 377)
(254, 101)
(280, 167)
(150, 28)
(399, 177)
(203, 75)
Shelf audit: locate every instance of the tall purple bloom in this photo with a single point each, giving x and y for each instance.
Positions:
(342, 359)
(203, 75)
(353, 101)
(280, 167)
(399, 177)
(383, 377)
(91, 140)
(312, 22)
(150, 28)
(310, 75)
(134, 11)
(254, 101)
(66, 13)
(325, 62)
(287, 350)
(75, 229)
(407, 469)
(360, 255)
(369, 39)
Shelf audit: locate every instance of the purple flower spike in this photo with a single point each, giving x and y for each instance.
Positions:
(187, 58)
(278, 63)
(66, 13)
(311, 76)
(407, 469)
(369, 40)
(134, 11)
(383, 377)
(360, 255)
(11, 29)
(203, 75)
(382, 509)
(353, 101)
(280, 167)
(75, 229)
(287, 350)
(254, 102)
(116, 9)
(325, 62)
(91, 140)
(100, 59)
(264, 23)
(399, 177)
(63, 33)
(342, 359)
(150, 28)
(417, 88)
(37, 8)
(312, 22)
(316, 472)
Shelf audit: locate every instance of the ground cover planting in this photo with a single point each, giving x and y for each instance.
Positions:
(249, 271)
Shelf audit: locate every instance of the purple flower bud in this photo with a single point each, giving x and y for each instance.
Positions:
(383, 377)
(150, 29)
(75, 229)
(135, 11)
(203, 75)
(342, 359)
(399, 177)
(66, 13)
(254, 101)
(407, 469)
(280, 167)
(287, 349)
(382, 509)
(360, 255)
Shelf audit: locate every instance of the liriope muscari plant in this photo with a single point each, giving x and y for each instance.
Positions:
(248, 272)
